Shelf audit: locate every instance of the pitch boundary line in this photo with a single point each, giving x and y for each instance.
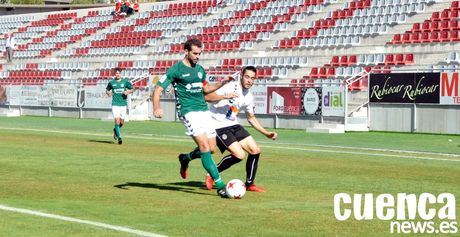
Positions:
(378, 149)
(364, 153)
(331, 146)
(183, 139)
(75, 220)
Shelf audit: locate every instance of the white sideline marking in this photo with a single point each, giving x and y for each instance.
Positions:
(364, 153)
(372, 149)
(327, 146)
(184, 139)
(70, 219)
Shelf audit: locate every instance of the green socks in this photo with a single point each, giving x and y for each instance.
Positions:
(210, 166)
(117, 130)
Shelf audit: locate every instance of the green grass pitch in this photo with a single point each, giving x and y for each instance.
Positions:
(72, 168)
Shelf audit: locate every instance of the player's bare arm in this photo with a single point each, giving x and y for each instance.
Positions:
(209, 88)
(157, 111)
(256, 124)
(213, 97)
(109, 93)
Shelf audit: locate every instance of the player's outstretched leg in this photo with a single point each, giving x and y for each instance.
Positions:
(224, 164)
(192, 155)
(251, 170)
(210, 166)
(185, 159)
(209, 182)
(227, 162)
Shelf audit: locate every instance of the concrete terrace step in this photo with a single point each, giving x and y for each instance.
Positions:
(326, 128)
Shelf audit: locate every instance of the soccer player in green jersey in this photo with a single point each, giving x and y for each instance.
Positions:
(189, 81)
(119, 88)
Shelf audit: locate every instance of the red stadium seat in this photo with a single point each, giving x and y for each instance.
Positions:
(454, 36)
(352, 60)
(389, 59)
(434, 26)
(314, 73)
(416, 27)
(444, 25)
(232, 63)
(322, 72)
(225, 63)
(343, 61)
(409, 59)
(260, 73)
(406, 38)
(352, 5)
(295, 43)
(399, 59)
(238, 62)
(445, 15)
(435, 16)
(444, 36)
(455, 5)
(335, 61)
(434, 36)
(425, 37)
(453, 25)
(282, 44)
(268, 72)
(301, 34)
(330, 72)
(396, 39)
(454, 13)
(425, 26)
(415, 38)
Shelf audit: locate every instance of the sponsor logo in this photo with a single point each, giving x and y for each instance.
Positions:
(437, 213)
(333, 100)
(195, 87)
(404, 88)
(450, 88)
(311, 101)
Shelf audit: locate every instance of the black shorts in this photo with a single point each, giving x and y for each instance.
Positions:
(228, 135)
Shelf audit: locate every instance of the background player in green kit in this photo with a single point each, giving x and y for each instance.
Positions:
(189, 81)
(119, 88)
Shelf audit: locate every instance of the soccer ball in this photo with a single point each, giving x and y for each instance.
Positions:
(236, 189)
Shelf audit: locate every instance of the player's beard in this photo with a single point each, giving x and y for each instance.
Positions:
(192, 63)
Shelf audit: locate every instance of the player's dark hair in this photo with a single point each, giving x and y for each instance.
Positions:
(117, 69)
(194, 41)
(250, 68)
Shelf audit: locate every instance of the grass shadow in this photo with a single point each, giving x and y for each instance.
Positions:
(187, 187)
(100, 141)
(195, 184)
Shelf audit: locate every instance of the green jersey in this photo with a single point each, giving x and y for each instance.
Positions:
(188, 86)
(117, 88)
